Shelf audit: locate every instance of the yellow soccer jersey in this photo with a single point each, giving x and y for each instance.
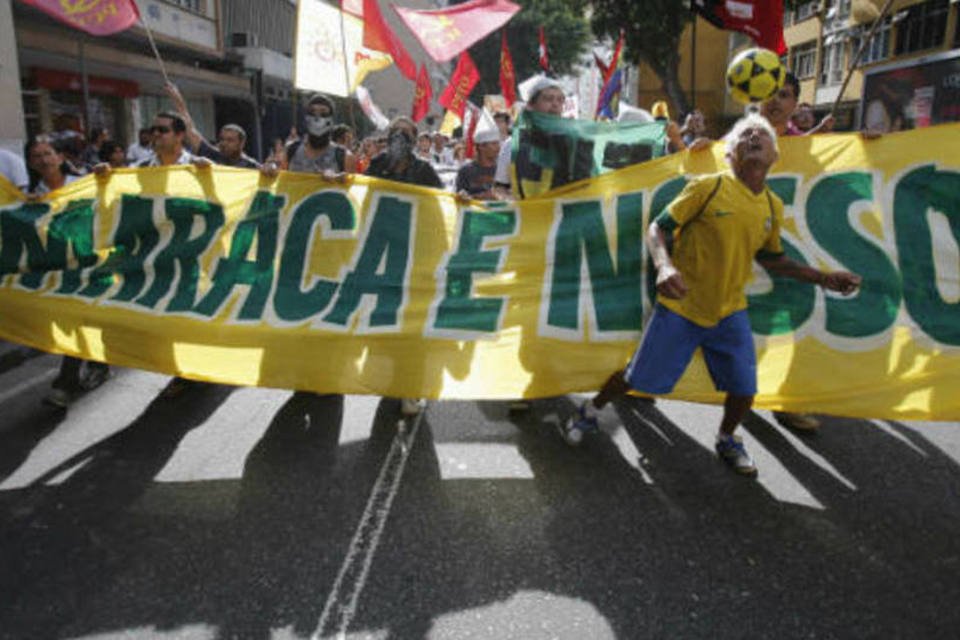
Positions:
(719, 226)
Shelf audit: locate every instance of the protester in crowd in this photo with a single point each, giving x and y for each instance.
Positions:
(112, 153)
(230, 141)
(342, 134)
(277, 153)
(98, 136)
(49, 172)
(424, 150)
(169, 132)
(317, 153)
(693, 127)
(475, 178)
(48, 168)
(142, 148)
(460, 153)
(70, 144)
(803, 118)
(368, 150)
(440, 153)
(14, 169)
(701, 301)
(502, 118)
(400, 164)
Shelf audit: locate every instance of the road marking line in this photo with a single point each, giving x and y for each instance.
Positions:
(356, 566)
(6, 395)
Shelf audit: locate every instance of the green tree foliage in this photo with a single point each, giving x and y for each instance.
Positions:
(567, 32)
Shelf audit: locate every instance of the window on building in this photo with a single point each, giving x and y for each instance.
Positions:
(879, 46)
(923, 26)
(197, 6)
(807, 10)
(803, 59)
(832, 63)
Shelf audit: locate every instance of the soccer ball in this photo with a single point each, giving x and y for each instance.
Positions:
(755, 75)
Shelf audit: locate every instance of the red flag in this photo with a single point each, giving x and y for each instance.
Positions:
(465, 78)
(762, 20)
(544, 61)
(378, 36)
(508, 77)
(422, 95)
(446, 32)
(101, 18)
(602, 66)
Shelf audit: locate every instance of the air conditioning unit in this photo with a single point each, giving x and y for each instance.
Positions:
(244, 39)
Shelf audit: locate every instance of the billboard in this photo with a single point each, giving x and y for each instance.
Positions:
(912, 94)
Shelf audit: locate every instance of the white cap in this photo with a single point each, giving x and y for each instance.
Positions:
(629, 113)
(486, 130)
(535, 84)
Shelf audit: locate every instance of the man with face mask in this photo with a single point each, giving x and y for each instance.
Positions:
(317, 153)
(398, 162)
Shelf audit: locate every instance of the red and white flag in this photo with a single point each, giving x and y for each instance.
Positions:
(544, 60)
(446, 32)
(98, 18)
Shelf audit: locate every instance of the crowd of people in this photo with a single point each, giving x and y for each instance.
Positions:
(697, 306)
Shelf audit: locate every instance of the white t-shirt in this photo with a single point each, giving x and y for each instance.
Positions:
(43, 189)
(137, 154)
(502, 176)
(13, 169)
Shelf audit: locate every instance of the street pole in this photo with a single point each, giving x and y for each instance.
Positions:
(85, 86)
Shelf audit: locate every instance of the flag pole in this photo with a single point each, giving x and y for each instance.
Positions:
(856, 59)
(693, 65)
(153, 45)
(346, 75)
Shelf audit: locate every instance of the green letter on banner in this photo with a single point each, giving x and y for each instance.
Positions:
(874, 308)
(387, 243)
(458, 310)
(289, 302)
(73, 227)
(261, 223)
(917, 193)
(135, 238)
(616, 289)
(183, 250)
(789, 304)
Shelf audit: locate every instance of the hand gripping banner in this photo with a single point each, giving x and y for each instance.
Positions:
(379, 288)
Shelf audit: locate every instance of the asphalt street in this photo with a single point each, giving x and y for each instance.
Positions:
(260, 513)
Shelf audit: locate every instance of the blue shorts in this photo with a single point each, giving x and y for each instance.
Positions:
(668, 345)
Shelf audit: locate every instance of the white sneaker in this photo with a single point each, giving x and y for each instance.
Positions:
(412, 406)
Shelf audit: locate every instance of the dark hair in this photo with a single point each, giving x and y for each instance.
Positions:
(339, 132)
(791, 79)
(804, 105)
(144, 131)
(107, 149)
(179, 125)
(236, 129)
(95, 133)
(502, 115)
(319, 97)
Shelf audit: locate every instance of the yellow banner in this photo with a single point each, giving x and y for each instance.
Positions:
(375, 287)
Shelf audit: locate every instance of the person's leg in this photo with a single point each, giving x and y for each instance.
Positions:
(731, 359)
(668, 344)
(735, 409)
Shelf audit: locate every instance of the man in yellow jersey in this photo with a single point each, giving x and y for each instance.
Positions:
(719, 224)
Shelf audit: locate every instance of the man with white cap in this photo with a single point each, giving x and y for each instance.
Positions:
(544, 95)
(475, 179)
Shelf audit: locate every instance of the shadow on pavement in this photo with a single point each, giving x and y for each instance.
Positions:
(671, 544)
